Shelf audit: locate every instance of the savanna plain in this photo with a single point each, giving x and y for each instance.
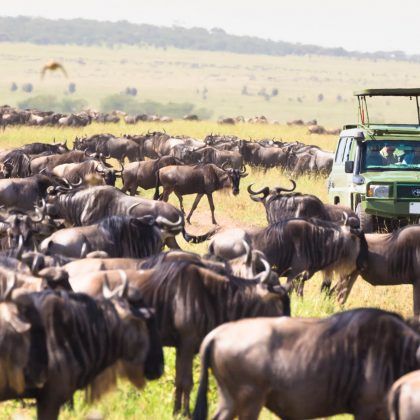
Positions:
(155, 400)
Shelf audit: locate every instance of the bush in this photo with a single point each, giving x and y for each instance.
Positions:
(13, 87)
(27, 87)
(274, 92)
(50, 103)
(320, 97)
(72, 87)
(129, 105)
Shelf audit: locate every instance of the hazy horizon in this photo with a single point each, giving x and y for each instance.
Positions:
(360, 25)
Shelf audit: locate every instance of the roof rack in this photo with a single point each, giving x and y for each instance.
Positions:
(363, 109)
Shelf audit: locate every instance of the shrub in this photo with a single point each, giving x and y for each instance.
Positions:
(27, 87)
(13, 87)
(72, 87)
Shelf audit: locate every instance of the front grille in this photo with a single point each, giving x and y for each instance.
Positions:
(408, 191)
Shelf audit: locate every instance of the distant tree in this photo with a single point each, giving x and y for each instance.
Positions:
(299, 99)
(244, 90)
(133, 91)
(320, 97)
(71, 87)
(274, 92)
(27, 87)
(13, 87)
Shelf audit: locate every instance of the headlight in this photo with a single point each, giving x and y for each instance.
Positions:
(379, 191)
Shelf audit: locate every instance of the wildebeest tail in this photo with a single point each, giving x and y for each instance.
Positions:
(199, 238)
(156, 196)
(201, 405)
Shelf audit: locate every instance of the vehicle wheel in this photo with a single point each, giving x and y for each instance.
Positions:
(366, 220)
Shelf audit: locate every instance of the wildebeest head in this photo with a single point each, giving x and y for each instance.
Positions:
(108, 173)
(14, 341)
(141, 342)
(235, 176)
(266, 193)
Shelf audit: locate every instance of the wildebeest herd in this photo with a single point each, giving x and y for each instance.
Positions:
(89, 292)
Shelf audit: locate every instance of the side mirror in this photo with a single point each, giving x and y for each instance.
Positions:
(349, 167)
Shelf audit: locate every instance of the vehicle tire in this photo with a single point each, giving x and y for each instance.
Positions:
(366, 220)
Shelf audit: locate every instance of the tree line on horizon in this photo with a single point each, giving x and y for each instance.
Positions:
(90, 32)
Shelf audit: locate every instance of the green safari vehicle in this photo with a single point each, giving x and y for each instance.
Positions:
(376, 169)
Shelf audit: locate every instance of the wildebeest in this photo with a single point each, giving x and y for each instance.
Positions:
(118, 236)
(200, 180)
(75, 172)
(143, 174)
(208, 154)
(47, 336)
(190, 300)
(38, 148)
(404, 398)
(51, 161)
(23, 193)
(281, 206)
(346, 363)
(81, 207)
(392, 259)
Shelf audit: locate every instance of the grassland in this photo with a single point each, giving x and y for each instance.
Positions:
(155, 401)
(165, 75)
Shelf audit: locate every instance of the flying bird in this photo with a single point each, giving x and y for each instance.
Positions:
(52, 66)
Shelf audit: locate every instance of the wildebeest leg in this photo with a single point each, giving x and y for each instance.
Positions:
(416, 298)
(211, 204)
(326, 282)
(183, 378)
(344, 287)
(250, 404)
(180, 202)
(226, 406)
(171, 242)
(165, 195)
(133, 190)
(47, 409)
(194, 206)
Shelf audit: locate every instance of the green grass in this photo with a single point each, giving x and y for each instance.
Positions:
(155, 401)
(173, 75)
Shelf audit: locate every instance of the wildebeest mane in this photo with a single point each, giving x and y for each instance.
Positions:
(131, 237)
(201, 298)
(367, 340)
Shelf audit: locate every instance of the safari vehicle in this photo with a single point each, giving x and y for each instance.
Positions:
(376, 169)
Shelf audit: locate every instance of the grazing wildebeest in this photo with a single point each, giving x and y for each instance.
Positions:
(118, 236)
(200, 180)
(404, 398)
(23, 193)
(346, 363)
(143, 174)
(87, 206)
(75, 172)
(51, 161)
(190, 300)
(38, 148)
(280, 206)
(208, 154)
(47, 336)
(393, 258)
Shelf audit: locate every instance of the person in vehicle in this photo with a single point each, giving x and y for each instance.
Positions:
(373, 156)
(388, 155)
(412, 156)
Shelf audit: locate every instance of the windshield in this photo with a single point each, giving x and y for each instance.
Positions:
(391, 155)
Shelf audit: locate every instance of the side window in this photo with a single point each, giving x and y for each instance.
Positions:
(340, 150)
(347, 149)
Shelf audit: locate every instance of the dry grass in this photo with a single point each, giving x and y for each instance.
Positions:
(155, 402)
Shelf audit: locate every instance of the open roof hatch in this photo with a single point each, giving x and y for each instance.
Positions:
(363, 108)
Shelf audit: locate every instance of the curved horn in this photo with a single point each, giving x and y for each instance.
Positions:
(224, 164)
(123, 289)
(265, 275)
(19, 247)
(107, 293)
(242, 170)
(345, 218)
(280, 189)
(122, 168)
(11, 283)
(100, 171)
(165, 221)
(40, 210)
(248, 252)
(253, 194)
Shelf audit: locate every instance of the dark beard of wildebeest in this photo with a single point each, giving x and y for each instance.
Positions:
(22, 193)
(143, 174)
(392, 259)
(51, 336)
(118, 236)
(200, 180)
(190, 300)
(346, 362)
(298, 248)
(82, 207)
